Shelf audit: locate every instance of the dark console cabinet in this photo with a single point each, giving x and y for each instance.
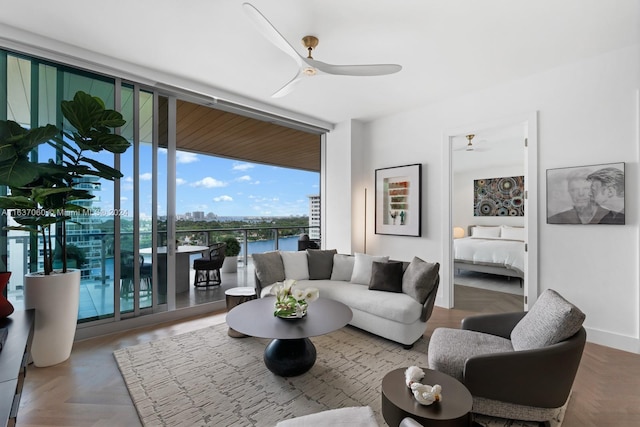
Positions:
(14, 357)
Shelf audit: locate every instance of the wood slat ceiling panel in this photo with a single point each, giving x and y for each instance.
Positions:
(203, 129)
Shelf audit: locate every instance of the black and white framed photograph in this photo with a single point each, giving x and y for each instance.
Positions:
(398, 200)
(586, 194)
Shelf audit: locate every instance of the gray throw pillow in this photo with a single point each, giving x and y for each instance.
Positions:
(386, 276)
(419, 279)
(551, 319)
(342, 267)
(269, 267)
(320, 263)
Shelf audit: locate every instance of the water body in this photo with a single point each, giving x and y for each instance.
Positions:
(284, 244)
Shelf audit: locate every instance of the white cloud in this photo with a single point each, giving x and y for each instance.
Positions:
(146, 176)
(180, 181)
(128, 179)
(224, 198)
(209, 182)
(123, 198)
(242, 166)
(244, 178)
(186, 157)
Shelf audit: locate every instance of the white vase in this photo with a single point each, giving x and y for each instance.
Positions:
(55, 298)
(230, 264)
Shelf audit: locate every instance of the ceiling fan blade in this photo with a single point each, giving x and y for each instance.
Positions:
(270, 32)
(291, 84)
(355, 70)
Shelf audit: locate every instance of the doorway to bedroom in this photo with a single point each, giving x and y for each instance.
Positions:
(490, 231)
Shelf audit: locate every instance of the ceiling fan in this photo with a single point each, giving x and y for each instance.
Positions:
(308, 66)
(470, 146)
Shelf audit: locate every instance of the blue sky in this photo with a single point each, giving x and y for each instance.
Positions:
(227, 187)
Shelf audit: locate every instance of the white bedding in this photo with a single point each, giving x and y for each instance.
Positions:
(495, 252)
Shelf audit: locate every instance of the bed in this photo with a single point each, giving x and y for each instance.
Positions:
(495, 250)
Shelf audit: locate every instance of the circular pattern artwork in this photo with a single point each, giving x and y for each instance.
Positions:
(498, 196)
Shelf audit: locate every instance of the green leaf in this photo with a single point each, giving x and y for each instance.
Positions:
(18, 172)
(106, 171)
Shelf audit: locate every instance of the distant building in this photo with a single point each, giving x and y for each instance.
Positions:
(198, 216)
(314, 217)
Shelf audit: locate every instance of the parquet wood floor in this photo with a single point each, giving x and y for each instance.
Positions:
(87, 390)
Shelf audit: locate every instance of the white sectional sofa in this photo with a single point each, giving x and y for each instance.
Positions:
(391, 299)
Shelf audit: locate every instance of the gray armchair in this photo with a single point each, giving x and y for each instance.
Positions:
(516, 365)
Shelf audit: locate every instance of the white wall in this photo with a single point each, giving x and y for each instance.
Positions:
(463, 197)
(588, 114)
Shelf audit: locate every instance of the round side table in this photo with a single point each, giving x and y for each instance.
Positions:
(398, 402)
(234, 297)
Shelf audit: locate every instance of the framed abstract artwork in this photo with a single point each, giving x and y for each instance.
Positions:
(498, 196)
(586, 194)
(399, 200)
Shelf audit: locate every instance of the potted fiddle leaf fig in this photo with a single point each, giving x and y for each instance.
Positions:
(43, 195)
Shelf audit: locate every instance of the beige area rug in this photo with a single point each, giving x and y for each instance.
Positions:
(206, 378)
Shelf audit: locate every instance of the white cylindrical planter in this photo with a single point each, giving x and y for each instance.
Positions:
(55, 298)
(230, 264)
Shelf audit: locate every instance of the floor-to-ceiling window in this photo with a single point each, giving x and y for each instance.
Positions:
(125, 248)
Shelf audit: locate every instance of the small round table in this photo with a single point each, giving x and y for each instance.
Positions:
(454, 410)
(234, 297)
(290, 352)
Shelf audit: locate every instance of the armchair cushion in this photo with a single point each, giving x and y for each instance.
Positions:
(551, 319)
(449, 349)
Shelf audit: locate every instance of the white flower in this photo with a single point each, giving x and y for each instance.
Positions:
(287, 284)
(298, 294)
(413, 374)
(311, 294)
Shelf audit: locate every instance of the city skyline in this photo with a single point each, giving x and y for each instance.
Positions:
(225, 187)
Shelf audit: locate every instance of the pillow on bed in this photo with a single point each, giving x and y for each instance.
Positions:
(479, 231)
(512, 233)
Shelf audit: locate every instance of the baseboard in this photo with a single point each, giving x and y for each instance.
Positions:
(617, 341)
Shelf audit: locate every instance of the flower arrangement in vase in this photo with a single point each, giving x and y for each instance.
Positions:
(291, 301)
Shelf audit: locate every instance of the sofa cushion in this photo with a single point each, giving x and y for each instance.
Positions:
(398, 307)
(386, 276)
(362, 267)
(419, 279)
(320, 263)
(342, 267)
(268, 267)
(449, 349)
(551, 319)
(296, 265)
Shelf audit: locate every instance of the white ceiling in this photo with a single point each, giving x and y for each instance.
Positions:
(447, 48)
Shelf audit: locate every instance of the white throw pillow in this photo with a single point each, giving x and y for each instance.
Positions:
(296, 265)
(342, 267)
(482, 232)
(362, 267)
(512, 233)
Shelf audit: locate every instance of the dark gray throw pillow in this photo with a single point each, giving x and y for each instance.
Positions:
(419, 279)
(386, 276)
(269, 267)
(320, 263)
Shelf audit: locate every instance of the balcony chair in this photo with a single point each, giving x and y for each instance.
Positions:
(516, 365)
(208, 267)
(127, 276)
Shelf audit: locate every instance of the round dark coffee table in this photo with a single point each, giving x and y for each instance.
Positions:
(398, 402)
(290, 352)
